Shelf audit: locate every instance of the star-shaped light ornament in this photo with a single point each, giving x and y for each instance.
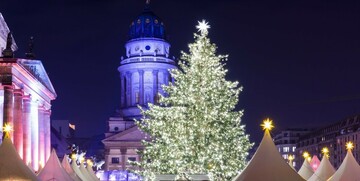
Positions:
(349, 145)
(7, 129)
(267, 124)
(306, 155)
(291, 158)
(203, 27)
(325, 151)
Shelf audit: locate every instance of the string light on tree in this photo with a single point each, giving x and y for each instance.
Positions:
(196, 130)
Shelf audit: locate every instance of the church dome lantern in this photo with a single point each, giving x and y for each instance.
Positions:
(147, 25)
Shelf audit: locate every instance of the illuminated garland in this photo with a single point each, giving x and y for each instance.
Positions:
(195, 129)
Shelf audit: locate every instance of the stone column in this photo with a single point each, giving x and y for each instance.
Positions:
(47, 129)
(9, 108)
(26, 118)
(141, 87)
(128, 89)
(18, 122)
(1, 111)
(155, 85)
(123, 88)
(123, 158)
(41, 111)
(34, 134)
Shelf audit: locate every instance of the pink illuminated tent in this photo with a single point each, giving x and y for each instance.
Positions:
(11, 165)
(66, 165)
(314, 163)
(349, 169)
(324, 171)
(267, 164)
(53, 170)
(306, 171)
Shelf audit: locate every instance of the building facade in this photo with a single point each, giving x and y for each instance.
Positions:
(142, 73)
(26, 93)
(334, 137)
(285, 141)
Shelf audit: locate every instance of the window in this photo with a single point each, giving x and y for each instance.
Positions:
(293, 149)
(285, 157)
(132, 159)
(286, 149)
(137, 97)
(115, 160)
(157, 98)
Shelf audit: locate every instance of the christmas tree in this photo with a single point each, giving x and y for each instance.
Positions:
(194, 128)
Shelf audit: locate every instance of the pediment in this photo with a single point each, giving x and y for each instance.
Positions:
(131, 134)
(36, 68)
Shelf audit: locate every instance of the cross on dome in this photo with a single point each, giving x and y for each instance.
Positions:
(203, 27)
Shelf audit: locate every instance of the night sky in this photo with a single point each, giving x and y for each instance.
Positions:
(297, 61)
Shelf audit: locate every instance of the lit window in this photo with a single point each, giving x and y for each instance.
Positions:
(293, 149)
(294, 164)
(286, 149)
(115, 160)
(285, 156)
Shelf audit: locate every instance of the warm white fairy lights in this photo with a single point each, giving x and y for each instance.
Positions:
(195, 129)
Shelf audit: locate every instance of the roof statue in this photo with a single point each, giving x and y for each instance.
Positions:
(267, 163)
(4, 30)
(53, 170)
(30, 54)
(325, 169)
(11, 165)
(8, 52)
(66, 165)
(306, 171)
(349, 169)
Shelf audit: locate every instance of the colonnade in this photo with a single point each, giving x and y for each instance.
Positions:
(127, 94)
(30, 120)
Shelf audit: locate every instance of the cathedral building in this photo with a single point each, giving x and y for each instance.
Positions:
(142, 73)
(26, 93)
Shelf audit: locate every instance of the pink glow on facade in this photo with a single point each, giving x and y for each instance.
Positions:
(35, 135)
(25, 103)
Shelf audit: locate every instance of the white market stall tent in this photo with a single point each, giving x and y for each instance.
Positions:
(267, 164)
(12, 167)
(53, 170)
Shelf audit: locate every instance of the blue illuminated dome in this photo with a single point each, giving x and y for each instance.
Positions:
(147, 25)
